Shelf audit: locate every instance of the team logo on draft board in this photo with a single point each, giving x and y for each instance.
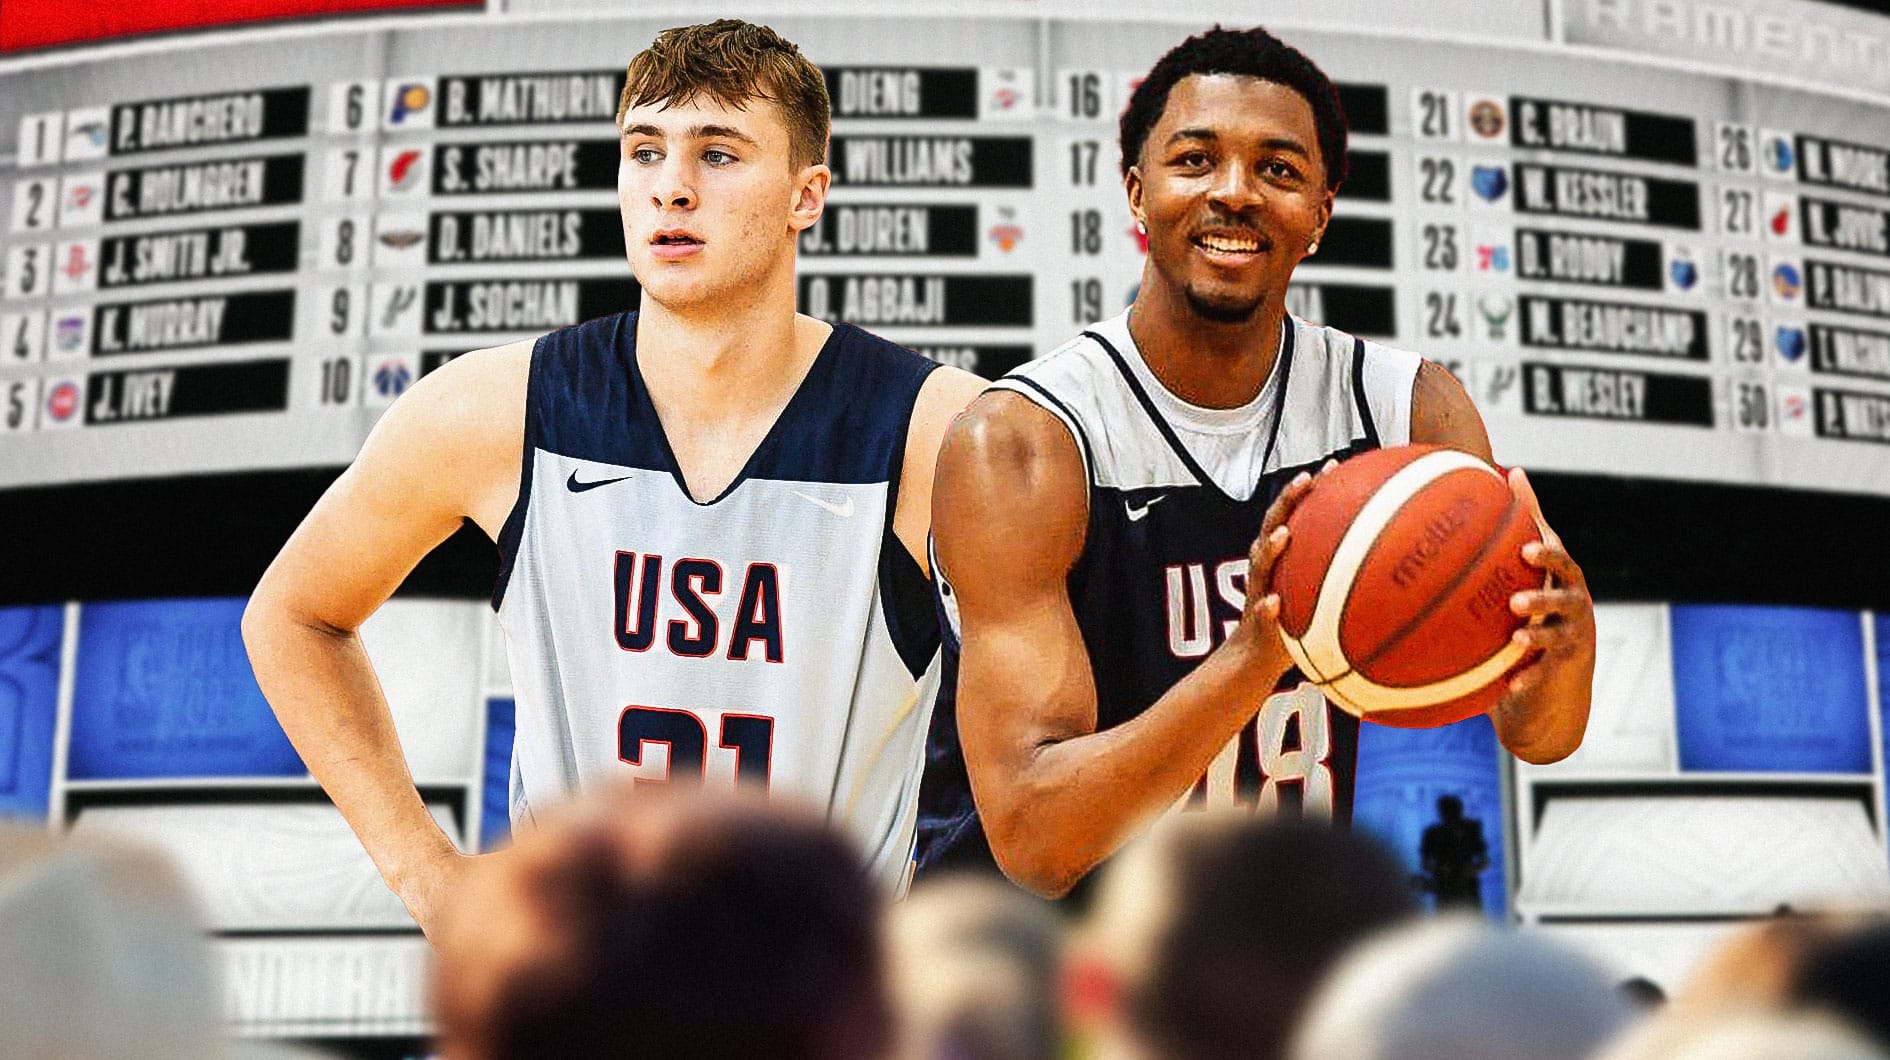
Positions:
(1007, 233)
(401, 238)
(1492, 257)
(85, 141)
(1794, 411)
(386, 377)
(77, 268)
(1006, 94)
(1790, 342)
(410, 99)
(1777, 151)
(1490, 183)
(1781, 216)
(403, 171)
(81, 203)
(1496, 309)
(391, 378)
(72, 333)
(1487, 118)
(88, 133)
(1787, 284)
(1498, 385)
(1683, 272)
(62, 401)
(403, 299)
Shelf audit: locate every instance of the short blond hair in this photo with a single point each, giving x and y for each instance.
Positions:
(732, 62)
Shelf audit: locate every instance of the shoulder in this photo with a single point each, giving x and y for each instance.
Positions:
(1311, 339)
(473, 394)
(1442, 412)
(1003, 432)
(1011, 502)
(451, 443)
(946, 393)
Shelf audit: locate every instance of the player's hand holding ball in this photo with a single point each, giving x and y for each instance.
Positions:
(1259, 629)
(1400, 596)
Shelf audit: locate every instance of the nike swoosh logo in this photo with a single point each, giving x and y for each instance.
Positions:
(1137, 511)
(575, 486)
(844, 511)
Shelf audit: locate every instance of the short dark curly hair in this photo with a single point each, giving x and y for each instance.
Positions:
(1250, 52)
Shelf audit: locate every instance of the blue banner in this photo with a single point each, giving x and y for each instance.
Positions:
(1770, 690)
(1402, 773)
(495, 814)
(29, 706)
(163, 688)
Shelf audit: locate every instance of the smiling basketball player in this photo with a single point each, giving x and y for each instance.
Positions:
(1106, 517)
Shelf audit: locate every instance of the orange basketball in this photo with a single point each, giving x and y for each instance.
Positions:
(1395, 587)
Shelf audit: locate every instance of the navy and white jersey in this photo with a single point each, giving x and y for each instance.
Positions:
(1162, 575)
(779, 634)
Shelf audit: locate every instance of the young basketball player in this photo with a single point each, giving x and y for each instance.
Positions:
(713, 564)
(1106, 517)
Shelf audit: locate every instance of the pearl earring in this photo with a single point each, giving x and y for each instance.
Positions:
(1312, 247)
(1141, 226)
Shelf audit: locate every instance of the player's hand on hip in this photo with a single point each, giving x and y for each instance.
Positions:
(1560, 615)
(1259, 628)
(432, 887)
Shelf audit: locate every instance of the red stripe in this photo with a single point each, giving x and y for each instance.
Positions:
(40, 23)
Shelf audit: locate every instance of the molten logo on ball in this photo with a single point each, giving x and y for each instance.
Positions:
(1436, 533)
(1394, 588)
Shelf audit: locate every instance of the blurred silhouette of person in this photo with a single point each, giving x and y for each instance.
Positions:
(1815, 971)
(1454, 854)
(1642, 993)
(1849, 975)
(667, 926)
(973, 965)
(1459, 988)
(102, 953)
(1758, 1034)
(1754, 967)
(1208, 935)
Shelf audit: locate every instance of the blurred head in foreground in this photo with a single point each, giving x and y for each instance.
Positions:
(1849, 976)
(1755, 1035)
(1459, 988)
(102, 953)
(665, 927)
(1209, 935)
(1755, 966)
(974, 963)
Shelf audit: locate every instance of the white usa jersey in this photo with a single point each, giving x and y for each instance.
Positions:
(779, 635)
(1162, 576)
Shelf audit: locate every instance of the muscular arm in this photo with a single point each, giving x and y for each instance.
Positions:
(1057, 796)
(448, 449)
(1544, 714)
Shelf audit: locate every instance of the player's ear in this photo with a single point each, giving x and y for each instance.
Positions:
(1322, 217)
(1132, 185)
(810, 196)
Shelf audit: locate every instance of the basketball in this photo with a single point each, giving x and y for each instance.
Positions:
(1395, 585)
